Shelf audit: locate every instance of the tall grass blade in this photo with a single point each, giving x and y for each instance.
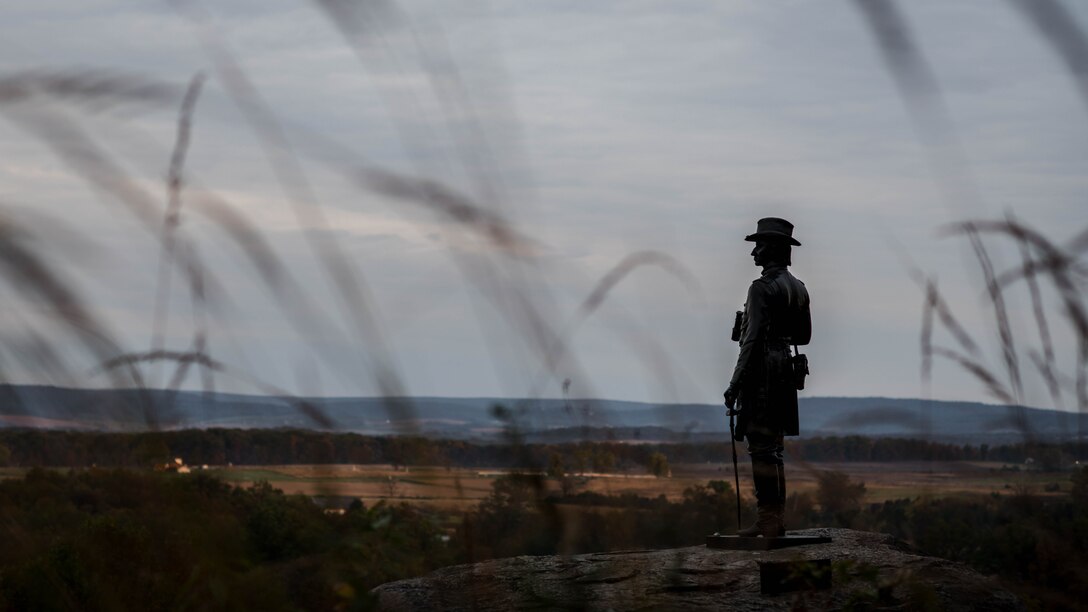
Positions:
(172, 216)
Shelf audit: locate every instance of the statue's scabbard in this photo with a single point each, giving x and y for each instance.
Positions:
(733, 443)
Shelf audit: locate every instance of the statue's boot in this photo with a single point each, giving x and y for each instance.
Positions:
(768, 523)
(770, 481)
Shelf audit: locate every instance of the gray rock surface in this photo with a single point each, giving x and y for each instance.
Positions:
(871, 570)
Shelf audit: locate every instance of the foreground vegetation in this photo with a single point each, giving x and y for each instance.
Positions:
(140, 540)
(123, 539)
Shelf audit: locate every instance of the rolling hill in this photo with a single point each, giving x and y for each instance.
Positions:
(534, 419)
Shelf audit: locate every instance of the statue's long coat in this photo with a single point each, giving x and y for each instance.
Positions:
(776, 316)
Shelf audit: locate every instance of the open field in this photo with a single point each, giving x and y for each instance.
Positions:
(11, 472)
(461, 488)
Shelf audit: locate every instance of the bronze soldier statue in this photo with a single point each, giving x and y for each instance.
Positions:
(763, 390)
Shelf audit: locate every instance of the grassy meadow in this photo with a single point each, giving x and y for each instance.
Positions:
(462, 488)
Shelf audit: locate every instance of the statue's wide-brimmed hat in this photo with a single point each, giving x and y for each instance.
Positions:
(773, 228)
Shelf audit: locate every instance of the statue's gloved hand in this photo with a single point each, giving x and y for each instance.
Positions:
(731, 397)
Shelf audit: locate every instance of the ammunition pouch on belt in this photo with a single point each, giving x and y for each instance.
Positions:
(799, 365)
(737, 323)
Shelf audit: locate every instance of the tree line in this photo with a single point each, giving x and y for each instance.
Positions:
(35, 447)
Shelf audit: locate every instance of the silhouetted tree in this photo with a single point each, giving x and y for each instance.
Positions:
(839, 498)
(555, 466)
(659, 465)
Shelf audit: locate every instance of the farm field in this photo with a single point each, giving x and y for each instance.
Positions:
(460, 488)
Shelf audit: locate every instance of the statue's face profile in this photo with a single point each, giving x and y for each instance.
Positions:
(761, 253)
(770, 252)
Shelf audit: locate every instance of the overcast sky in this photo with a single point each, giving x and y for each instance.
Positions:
(590, 131)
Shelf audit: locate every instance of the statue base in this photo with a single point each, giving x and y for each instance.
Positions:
(734, 542)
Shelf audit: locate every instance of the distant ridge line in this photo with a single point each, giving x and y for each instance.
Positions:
(49, 407)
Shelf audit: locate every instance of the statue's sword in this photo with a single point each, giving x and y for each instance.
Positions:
(736, 473)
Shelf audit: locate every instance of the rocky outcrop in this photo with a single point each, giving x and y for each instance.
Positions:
(870, 571)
